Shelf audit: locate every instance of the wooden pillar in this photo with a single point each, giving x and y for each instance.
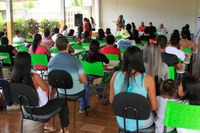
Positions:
(9, 20)
(63, 18)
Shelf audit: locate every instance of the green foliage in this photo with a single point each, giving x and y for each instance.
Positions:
(3, 26)
(27, 27)
(77, 2)
(50, 24)
(20, 24)
(29, 4)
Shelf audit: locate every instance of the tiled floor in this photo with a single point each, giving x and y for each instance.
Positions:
(100, 120)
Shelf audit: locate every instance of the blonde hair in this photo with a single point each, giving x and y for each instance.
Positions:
(152, 58)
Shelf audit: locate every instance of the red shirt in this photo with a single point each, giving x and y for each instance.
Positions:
(141, 28)
(110, 49)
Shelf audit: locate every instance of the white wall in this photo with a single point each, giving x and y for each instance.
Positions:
(173, 13)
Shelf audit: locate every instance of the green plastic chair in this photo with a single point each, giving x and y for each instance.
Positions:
(122, 51)
(112, 56)
(171, 72)
(76, 46)
(85, 44)
(39, 59)
(47, 46)
(180, 115)
(71, 40)
(102, 41)
(187, 50)
(22, 48)
(54, 50)
(18, 43)
(118, 37)
(95, 68)
(30, 40)
(137, 44)
(7, 60)
(144, 42)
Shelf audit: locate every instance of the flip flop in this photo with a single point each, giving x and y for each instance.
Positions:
(49, 130)
(61, 131)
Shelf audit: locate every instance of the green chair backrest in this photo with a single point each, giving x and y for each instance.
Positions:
(18, 43)
(94, 36)
(54, 50)
(187, 50)
(85, 44)
(122, 51)
(171, 72)
(118, 36)
(95, 68)
(76, 46)
(30, 40)
(7, 60)
(144, 42)
(112, 56)
(71, 40)
(39, 59)
(22, 48)
(137, 44)
(102, 41)
(180, 60)
(182, 115)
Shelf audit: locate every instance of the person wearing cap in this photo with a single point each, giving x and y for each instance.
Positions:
(125, 42)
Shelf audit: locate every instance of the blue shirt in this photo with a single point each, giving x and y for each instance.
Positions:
(125, 43)
(136, 85)
(65, 61)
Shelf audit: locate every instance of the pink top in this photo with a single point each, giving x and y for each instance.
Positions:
(48, 41)
(40, 50)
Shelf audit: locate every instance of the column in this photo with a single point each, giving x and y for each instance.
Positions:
(62, 9)
(9, 20)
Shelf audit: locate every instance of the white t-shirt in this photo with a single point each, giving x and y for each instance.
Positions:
(65, 32)
(18, 39)
(162, 31)
(172, 50)
(159, 121)
(43, 99)
(54, 37)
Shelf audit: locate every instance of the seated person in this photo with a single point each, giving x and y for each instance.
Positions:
(8, 49)
(46, 39)
(86, 37)
(101, 35)
(146, 36)
(185, 42)
(94, 55)
(141, 27)
(133, 79)
(125, 42)
(108, 31)
(24, 74)
(169, 59)
(7, 96)
(56, 32)
(173, 48)
(71, 36)
(64, 61)
(36, 48)
(110, 48)
(18, 37)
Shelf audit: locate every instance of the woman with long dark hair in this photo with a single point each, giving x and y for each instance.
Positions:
(36, 48)
(22, 73)
(132, 78)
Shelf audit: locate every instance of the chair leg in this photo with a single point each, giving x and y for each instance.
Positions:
(42, 127)
(21, 128)
(85, 106)
(75, 114)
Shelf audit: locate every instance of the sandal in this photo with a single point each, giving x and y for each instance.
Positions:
(66, 131)
(49, 129)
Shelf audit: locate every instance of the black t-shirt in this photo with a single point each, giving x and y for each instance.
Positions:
(145, 38)
(8, 49)
(94, 57)
(169, 59)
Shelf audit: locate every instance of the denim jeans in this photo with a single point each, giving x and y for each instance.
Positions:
(6, 92)
(87, 94)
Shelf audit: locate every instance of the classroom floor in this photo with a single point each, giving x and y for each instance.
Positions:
(100, 120)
